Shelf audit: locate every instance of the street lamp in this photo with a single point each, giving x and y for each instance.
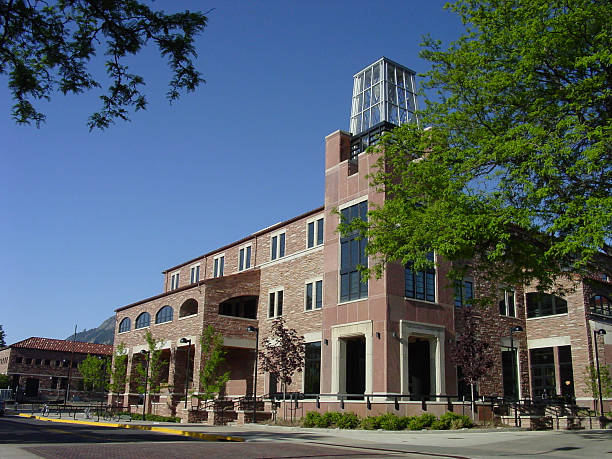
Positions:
(184, 341)
(144, 398)
(252, 329)
(69, 362)
(601, 411)
(518, 328)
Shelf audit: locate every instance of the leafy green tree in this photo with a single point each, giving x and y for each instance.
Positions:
(4, 381)
(95, 372)
(515, 172)
(119, 370)
(150, 368)
(2, 337)
(590, 378)
(47, 47)
(212, 380)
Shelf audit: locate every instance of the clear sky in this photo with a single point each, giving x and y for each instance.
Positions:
(89, 220)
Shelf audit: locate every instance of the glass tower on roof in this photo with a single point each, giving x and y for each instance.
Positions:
(383, 92)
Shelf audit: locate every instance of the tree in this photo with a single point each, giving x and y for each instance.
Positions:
(212, 381)
(47, 47)
(94, 371)
(515, 173)
(4, 381)
(283, 353)
(118, 371)
(472, 353)
(2, 337)
(149, 370)
(590, 378)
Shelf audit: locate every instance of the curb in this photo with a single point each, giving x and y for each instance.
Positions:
(168, 430)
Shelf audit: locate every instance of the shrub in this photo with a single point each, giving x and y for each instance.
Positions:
(455, 421)
(416, 424)
(330, 419)
(405, 420)
(427, 419)
(439, 425)
(312, 419)
(348, 420)
(155, 418)
(389, 421)
(370, 423)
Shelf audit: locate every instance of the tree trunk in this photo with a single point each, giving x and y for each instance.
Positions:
(473, 402)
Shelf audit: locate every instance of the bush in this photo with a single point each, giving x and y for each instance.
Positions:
(330, 419)
(427, 419)
(416, 424)
(405, 420)
(389, 421)
(155, 418)
(370, 423)
(312, 419)
(455, 421)
(439, 425)
(348, 420)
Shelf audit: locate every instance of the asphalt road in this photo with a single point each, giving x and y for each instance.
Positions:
(23, 437)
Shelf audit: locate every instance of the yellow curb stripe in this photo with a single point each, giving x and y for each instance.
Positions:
(185, 433)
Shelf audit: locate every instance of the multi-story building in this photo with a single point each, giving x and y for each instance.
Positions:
(384, 337)
(44, 368)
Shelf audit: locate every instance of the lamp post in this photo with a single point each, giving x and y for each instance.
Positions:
(518, 328)
(601, 410)
(252, 329)
(144, 398)
(70, 366)
(184, 341)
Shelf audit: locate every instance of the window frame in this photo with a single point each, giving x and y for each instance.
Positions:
(461, 298)
(218, 265)
(175, 279)
(506, 312)
(194, 268)
(245, 253)
(166, 307)
(316, 298)
(129, 325)
(537, 311)
(274, 305)
(317, 233)
(136, 327)
(426, 274)
(346, 274)
(278, 248)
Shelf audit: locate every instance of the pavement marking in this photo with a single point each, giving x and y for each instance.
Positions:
(168, 430)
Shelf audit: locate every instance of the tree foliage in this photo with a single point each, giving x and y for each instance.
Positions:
(118, 371)
(590, 378)
(150, 367)
(95, 372)
(2, 337)
(283, 352)
(47, 47)
(212, 380)
(515, 173)
(4, 381)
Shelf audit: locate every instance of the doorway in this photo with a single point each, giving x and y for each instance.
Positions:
(355, 366)
(419, 368)
(31, 387)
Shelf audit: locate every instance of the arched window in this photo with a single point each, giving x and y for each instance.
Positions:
(164, 315)
(188, 308)
(240, 306)
(143, 320)
(125, 325)
(601, 305)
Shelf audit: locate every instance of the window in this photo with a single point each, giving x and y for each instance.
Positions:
(275, 303)
(38, 361)
(194, 274)
(28, 361)
(543, 372)
(244, 258)
(601, 305)
(66, 363)
(277, 246)
(47, 362)
(242, 306)
(18, 359)
(315, 232)
(58, 363)
(188, 308)
(506, 303)
(174, 281)
(464, 292)
(218, 266)
(164, 315)
(545, 304)
(420, 285)
(352, 255)
(312, 368)
(125, 325)
(314, 295)
(143, 320)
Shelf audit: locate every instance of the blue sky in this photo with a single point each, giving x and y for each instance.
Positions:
(89, 220)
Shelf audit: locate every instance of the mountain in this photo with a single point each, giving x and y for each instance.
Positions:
(103, 334)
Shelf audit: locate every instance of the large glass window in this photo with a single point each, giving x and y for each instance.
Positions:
(143, 320)
(277, 246)
(125, 325)
(545, 304)
(275, 304)
(352, 255)
(164, 315)
(315, 233)
(566, 371)
(312, 368)
(543, 372)
(464, 292)
(314, 295)
(420, 285)
(244, 261)
(242, 306)
(506, 303)
(601, 305)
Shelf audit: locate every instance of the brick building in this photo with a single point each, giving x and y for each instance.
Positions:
(384, 337)
(40, 368)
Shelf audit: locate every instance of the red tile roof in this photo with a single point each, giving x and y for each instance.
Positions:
(62, 345)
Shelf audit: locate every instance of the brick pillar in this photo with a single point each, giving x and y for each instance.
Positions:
(558, 381)
(128, 376)
(171, 367)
